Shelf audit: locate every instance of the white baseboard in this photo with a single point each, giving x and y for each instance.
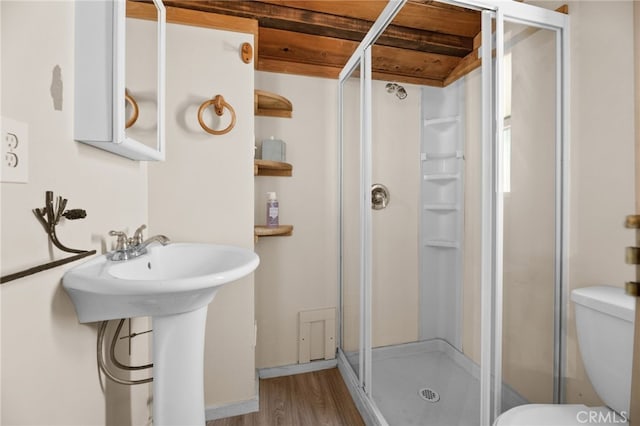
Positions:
(288, 370)
(239, 408)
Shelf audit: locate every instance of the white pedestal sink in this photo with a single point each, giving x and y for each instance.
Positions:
(173, 284)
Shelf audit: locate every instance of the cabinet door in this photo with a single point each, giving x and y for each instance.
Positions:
(120, 48)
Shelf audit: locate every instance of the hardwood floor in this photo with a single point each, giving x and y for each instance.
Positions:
(317, 398)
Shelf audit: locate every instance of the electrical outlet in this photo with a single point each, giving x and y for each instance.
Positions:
(15, 151)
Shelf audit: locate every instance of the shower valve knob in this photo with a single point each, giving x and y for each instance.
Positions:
(379, 196)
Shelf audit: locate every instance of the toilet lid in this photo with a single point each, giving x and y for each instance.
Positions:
(559, 415)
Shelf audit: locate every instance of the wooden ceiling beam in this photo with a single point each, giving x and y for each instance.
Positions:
(472, 61)
(298, 68)
(323, 71)
(439, 18)
(410, 63)
(464, 67)
(427, 43)
(369, 10)
(295, 51)
(291, 18)
(421, 14)
(303, 48)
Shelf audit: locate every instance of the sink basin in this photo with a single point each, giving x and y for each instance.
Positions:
(174, 285)
(171, 279)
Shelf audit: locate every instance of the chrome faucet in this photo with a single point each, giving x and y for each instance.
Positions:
(129, 248)
(137, 236)
(142, 247)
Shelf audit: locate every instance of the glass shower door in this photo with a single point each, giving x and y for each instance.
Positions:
(526, 219)
(374, 326)
(422, 374)
(351, 221)
(531, 237)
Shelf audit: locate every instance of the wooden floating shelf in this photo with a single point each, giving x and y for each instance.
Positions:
(279, 231)
(271, 105)
(271, 168)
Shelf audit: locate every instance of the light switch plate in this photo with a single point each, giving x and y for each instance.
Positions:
(15, 151)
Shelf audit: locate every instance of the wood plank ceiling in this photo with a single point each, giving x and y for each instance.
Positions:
(427, 43)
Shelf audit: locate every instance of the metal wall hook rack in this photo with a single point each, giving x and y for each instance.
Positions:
(49, 217)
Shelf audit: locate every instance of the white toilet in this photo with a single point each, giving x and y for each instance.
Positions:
(604, 320)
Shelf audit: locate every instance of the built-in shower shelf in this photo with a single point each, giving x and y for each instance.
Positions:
(441, 155)
(441, 207)
(442, 177)
(441, 120)
(441, 244)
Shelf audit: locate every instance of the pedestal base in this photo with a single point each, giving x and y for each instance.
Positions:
(178, 369)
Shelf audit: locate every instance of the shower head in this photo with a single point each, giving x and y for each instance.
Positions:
(400, 91)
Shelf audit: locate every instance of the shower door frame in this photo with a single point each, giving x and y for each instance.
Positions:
(492, 240)
(492, 199)
(360, 386)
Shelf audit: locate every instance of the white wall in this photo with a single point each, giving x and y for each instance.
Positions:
(49, 373)
(299, 272)
(602, 158)
(202, 193)
(204, 190)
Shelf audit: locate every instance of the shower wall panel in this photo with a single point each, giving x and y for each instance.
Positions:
(441, 212)
(472, 218)
(396, 148)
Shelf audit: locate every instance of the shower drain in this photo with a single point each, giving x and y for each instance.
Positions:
(429, 395)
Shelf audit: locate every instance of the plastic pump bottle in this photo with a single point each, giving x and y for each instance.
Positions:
(272, 210)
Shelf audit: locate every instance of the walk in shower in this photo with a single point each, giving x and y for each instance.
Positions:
(452, 269)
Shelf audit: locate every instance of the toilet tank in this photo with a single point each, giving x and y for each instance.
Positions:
(604, 321)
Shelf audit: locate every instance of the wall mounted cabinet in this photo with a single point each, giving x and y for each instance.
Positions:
(113, 55)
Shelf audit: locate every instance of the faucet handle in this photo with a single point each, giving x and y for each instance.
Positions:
(122, 243)
(137, 238)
